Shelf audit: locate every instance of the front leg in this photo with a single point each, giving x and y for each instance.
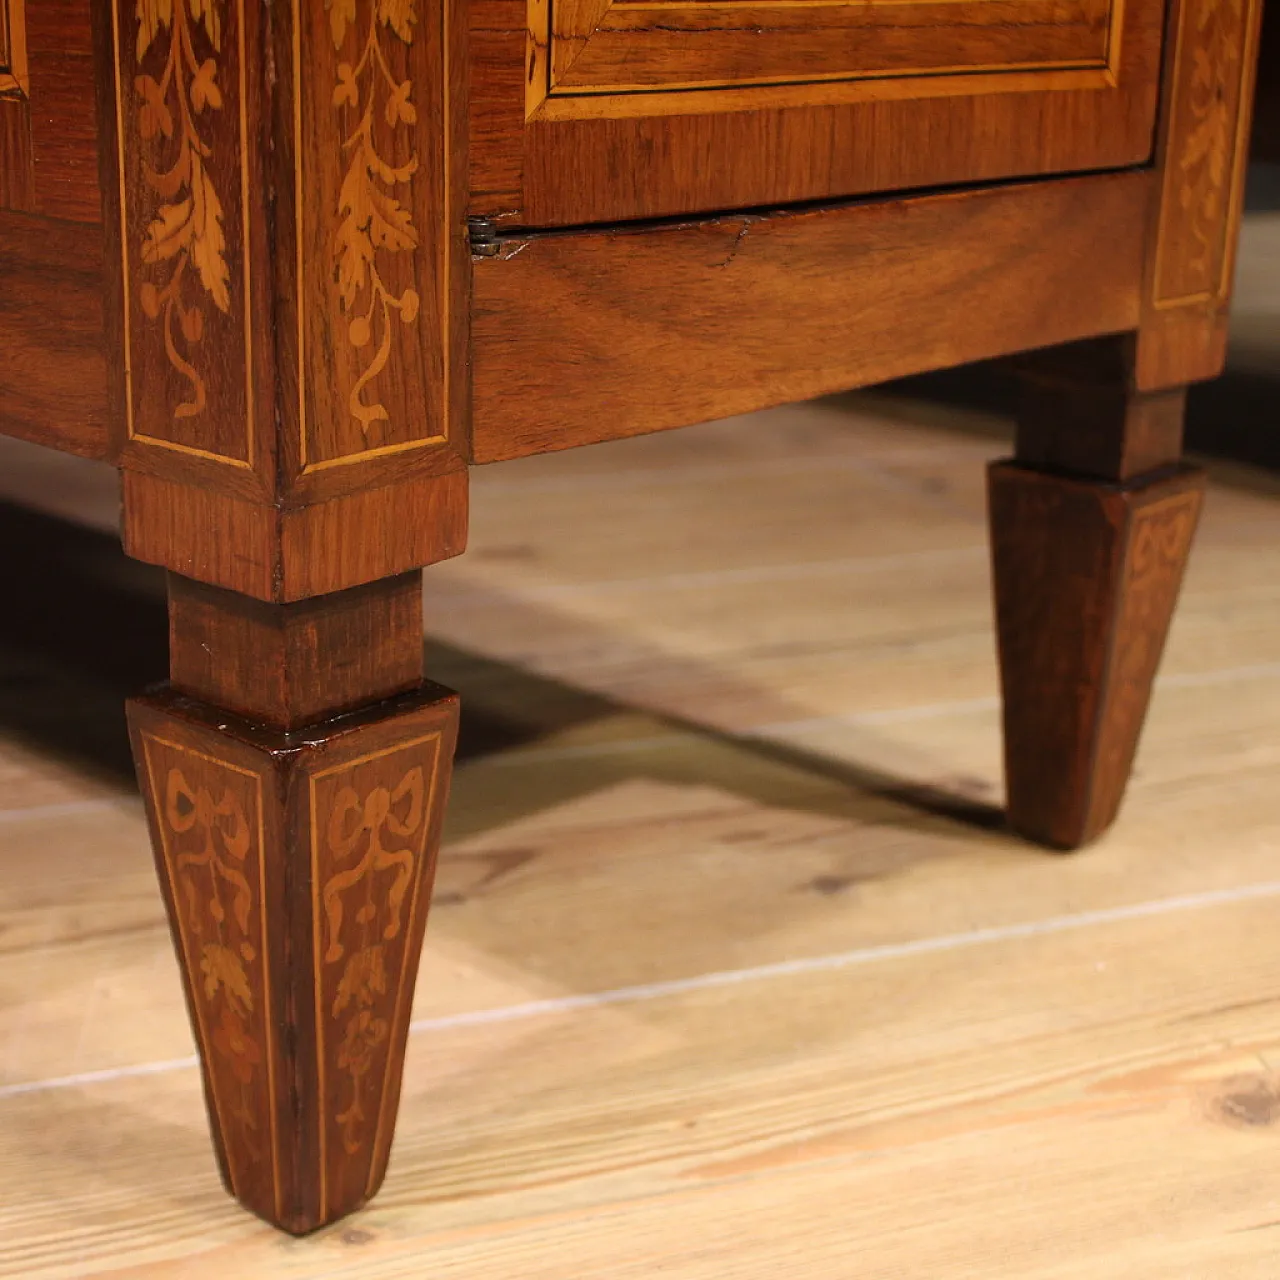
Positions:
(295, 775)
(1091, 525)
(1092, 521)
(287, 297)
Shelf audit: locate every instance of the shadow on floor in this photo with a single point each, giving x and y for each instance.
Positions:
(1235, 417)
(89, 628)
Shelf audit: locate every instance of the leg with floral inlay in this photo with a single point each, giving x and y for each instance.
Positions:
(295, 774)
(1091, 526)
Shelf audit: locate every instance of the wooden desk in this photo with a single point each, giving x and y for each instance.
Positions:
(296, 267)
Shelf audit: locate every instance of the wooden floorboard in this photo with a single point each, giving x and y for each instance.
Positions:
(732, 971)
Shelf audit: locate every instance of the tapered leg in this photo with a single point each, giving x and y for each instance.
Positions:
(1091, 526)
(296, 849)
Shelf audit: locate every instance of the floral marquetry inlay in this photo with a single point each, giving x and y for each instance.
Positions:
(374, 842)
(1203, 169)
(375, 219)
(208, 815)
(183, 247)
(297, 869)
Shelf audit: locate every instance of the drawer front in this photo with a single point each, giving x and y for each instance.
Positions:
(588, 111)
(600, 47)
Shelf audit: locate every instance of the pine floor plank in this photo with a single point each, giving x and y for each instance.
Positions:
(828, 1116)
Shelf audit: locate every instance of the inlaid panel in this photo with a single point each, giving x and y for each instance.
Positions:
(598, 47)
(184, 227)
(369, 827)
(298, 871)
(373, 263)
(588, 111)
(1201, 159)
(288, 258)
(208, 818)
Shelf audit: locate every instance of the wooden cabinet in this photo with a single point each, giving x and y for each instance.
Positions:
(296, 267)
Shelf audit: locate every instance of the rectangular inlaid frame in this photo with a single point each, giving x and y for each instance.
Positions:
(545, 98)
(1205, 120)
(291, 278)
(150, 743)
(422, 882)
(431, 160)
(546, 160)
(233, 442)
(1202, 157)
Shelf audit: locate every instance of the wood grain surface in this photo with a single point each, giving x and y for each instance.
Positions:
(610, 333)
(626, 45)
(297, 875)
(49, 110)
(290, 665)
(53, 378)
(555, 160)
(1086, 579)
(1078, 413)
(284, 554)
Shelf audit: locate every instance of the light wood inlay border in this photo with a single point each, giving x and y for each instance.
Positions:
(550, 57)
(428, 219)
(409, 914)
(1201, 158)
(194, 361)
(1203, 187)
(157, 791)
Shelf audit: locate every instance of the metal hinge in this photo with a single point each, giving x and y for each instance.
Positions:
(484, 238)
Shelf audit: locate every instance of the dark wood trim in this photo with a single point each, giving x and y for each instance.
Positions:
(569, 161)
(282, 554)
(1086, 578)
(1079, 414)
(293, 664)
(597, 335)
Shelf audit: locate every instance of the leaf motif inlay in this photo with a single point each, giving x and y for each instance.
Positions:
(373, 223)
(186, 228)
(1207, 149)
(379, 834)
(212, 840)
